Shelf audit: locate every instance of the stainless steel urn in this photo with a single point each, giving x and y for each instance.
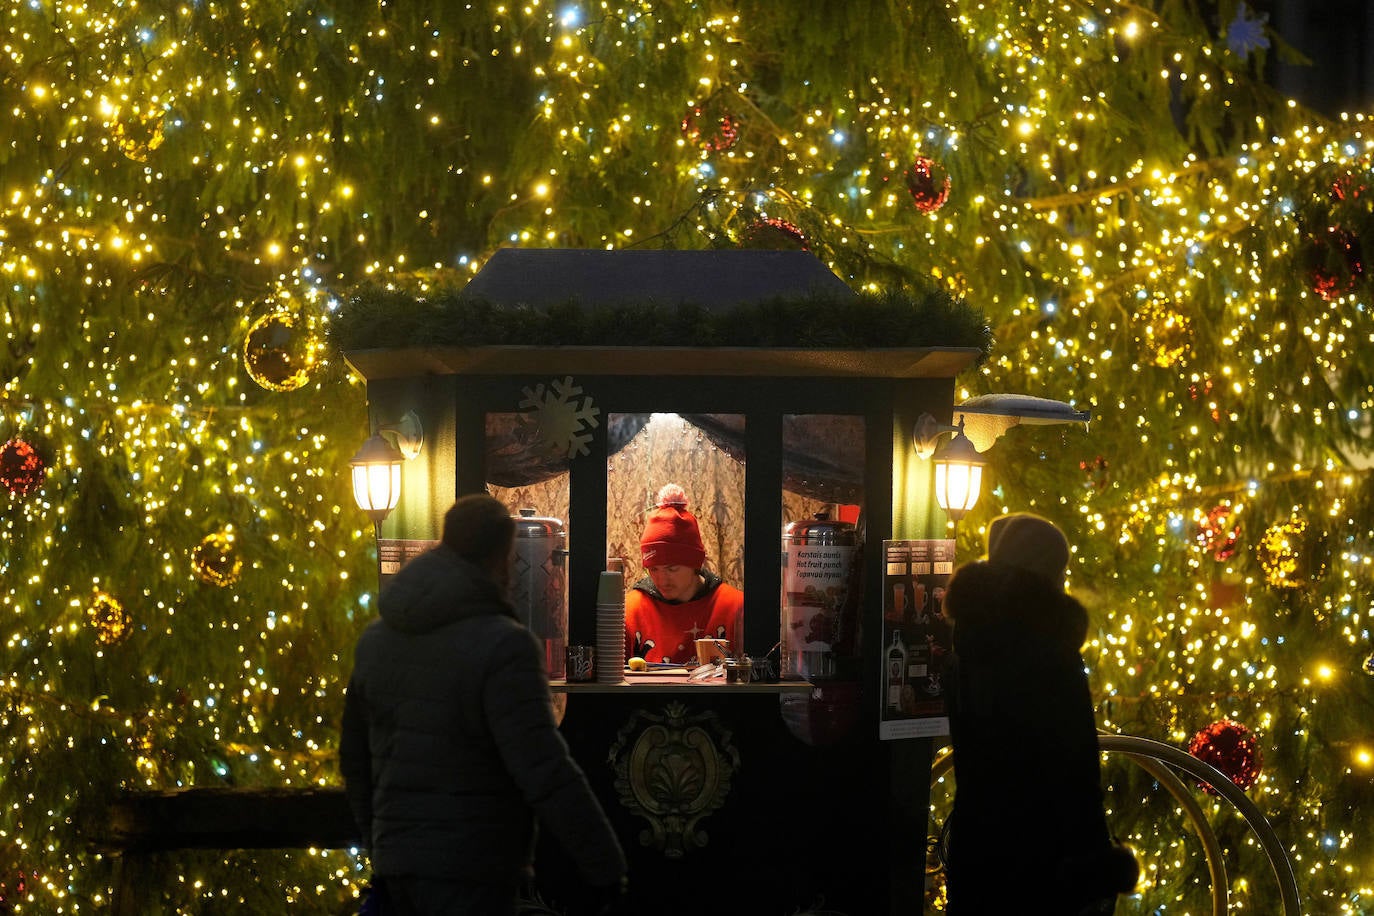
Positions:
(539, 589)
(818, 566)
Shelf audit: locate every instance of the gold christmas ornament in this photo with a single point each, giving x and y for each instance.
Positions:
(1163, 332)
(1280, 553)
(138, 134)
(280, 351)
(215, 560)
(108, 618)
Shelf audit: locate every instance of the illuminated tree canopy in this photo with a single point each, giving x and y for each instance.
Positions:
(190, 192)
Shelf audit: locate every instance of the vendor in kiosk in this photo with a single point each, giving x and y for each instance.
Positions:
(679, 601)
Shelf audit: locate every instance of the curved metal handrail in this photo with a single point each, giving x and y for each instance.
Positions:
(1197, 819)
(1147, 754)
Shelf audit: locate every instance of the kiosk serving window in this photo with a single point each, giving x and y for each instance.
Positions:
(823, 464)
(671, 448)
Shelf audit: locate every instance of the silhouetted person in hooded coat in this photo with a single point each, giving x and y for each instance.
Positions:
(1028, 834)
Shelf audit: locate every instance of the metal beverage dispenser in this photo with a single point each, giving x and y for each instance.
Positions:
(818, 566)
(539, 589)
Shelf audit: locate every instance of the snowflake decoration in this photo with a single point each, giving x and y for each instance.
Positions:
(561, 418)
(1246, 33)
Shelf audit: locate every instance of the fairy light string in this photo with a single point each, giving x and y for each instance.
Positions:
(1152, 233)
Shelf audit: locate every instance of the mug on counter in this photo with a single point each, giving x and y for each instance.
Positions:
(581, 663)
(712, 651)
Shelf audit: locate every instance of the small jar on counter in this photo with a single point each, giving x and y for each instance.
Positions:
(739, 670)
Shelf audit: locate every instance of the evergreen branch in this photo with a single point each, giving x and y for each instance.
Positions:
(703, 201)
(1207, 697)
(18, 698)
(1124, 186)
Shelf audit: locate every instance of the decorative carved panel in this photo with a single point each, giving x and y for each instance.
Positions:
(673, 768)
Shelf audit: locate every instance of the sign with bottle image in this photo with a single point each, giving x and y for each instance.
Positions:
(916, 638)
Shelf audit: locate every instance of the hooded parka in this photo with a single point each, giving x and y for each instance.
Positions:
(1028, 834)
(449, 748)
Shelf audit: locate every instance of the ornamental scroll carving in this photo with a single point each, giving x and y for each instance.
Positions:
(673, 769)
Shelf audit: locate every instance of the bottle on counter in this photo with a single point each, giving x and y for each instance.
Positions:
(896, 671)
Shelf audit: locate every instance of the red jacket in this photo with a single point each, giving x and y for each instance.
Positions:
(661, 632)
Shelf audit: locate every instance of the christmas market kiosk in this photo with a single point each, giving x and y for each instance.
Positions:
(804, 421)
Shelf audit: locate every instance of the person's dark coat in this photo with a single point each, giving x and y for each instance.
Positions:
(1027, 834)
(449, 748)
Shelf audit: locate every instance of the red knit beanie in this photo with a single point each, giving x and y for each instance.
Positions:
(671, 536)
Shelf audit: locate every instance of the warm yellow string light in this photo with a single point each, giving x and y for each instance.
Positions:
(141, 104)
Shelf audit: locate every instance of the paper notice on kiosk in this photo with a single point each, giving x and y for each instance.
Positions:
(393, 553)
(916, 638)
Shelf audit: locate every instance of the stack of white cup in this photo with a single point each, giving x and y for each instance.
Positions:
(610, 623)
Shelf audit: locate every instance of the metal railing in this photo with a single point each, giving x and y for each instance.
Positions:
(1161, 760)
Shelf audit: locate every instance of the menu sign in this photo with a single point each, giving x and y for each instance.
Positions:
(916, 638)
(393, 553)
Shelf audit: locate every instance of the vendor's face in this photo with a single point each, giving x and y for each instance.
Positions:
(675, 583)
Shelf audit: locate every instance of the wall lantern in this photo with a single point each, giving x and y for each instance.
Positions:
(958, 466)
(377, 466)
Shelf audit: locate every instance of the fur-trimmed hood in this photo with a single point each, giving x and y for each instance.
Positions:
(999, 610)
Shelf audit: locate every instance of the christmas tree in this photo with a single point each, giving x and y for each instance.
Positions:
(192, 190)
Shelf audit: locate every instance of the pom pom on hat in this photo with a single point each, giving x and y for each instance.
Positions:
(671, 535)
(1031, 543)
(670, 494)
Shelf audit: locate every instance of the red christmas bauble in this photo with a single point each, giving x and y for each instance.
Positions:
(1348, 187)
(776, 235)
(928, 184)
(21, 467)
(707, 131)
(1097, 472)
(1335, 263)
(1232, 749)
(1219, 532)
(1203, 389)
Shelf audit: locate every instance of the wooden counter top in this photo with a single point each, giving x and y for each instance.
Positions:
(678, 684)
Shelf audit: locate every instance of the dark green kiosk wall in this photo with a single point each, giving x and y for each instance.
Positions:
(841, 827)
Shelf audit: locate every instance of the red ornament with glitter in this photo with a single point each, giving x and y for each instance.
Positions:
(1201, 390)
(776, 235)
(1219, 532)
(708, 131)
(1335, 263)
(928, 184)
(13, 890)
(1232, 749)
(1097, 472)
(1348, 187)
(22, 469)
